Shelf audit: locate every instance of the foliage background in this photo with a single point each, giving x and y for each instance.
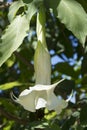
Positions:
(69, 60)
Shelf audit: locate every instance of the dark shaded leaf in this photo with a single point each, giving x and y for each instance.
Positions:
(83, 115)
(84, 65)
(65, 68)
(27, 1)
(68, 123)
(52, 4)
(65, 86)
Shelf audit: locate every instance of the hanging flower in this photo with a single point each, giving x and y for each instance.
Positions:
(41, 96)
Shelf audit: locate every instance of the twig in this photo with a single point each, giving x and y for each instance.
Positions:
(12, 117)
(4, 5)
(2, 125)
(23, 60)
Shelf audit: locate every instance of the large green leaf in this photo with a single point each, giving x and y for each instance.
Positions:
(13, 37)
(14, 8)
(72, 14)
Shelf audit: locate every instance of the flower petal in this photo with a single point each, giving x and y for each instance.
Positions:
(41, 103)
(52, 101)
(61, 105)
(27, 100)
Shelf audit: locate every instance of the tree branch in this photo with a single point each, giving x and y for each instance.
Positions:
(12, 117)
(23, 60)
(4, 5)
(2, 126)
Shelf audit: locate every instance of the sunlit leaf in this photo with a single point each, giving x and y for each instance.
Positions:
(33, 8)
(8, 125)
(10, 61)
(72, 14)
(14, 8)
(13, 37)
(10, 85)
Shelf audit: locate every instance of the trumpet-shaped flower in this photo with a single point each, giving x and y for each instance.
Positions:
(41, 96)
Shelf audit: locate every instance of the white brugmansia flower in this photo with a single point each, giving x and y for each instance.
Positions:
(41, 96)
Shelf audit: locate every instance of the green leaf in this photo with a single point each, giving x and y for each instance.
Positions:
(65, 86)
(55, 127)
(14, 8)
(83, 3)
(79, 128)
(10, 61)
(84, 65)
(8, 125)
(27, 1)
(33, 7)
(72, 14)
(65, 68)
(68, 123)
(83, 116)
(13, 37)
(10, 85)
(8, 105)
(51, 3)
(84, 81)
